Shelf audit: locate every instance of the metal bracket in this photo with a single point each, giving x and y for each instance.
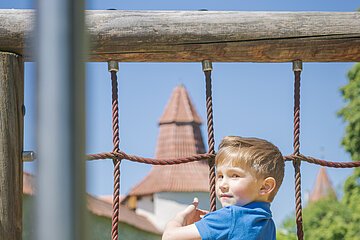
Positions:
(113, 66)
(297, 66)
(207, 65)
(28, 156)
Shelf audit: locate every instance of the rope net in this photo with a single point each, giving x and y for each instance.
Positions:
(296, 157)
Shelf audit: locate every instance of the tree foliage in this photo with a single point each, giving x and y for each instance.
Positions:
(329, 218)
(351, 142)
(351, 113)
(323, 220)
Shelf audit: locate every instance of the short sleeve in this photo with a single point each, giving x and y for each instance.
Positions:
(215, 225)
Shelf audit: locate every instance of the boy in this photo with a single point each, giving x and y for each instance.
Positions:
(249, 172)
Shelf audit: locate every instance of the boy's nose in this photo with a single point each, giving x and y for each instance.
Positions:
(224, 187)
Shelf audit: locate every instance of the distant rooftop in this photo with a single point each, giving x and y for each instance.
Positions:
(100, 206)
(322, 188)
(179, 136)
(179, 108)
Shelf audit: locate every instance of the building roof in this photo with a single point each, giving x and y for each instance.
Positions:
(28, 184)
(179, 108)
(322, 188)
(109, 198)
(101, 206)
(179, 136)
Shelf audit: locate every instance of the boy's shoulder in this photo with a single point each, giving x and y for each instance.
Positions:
(252, 221)
(247, 221)
(257, 208)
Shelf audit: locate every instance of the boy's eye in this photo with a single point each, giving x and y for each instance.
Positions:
(235, 175)
(219, 176)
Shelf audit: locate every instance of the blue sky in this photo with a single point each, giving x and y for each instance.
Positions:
(250, 99)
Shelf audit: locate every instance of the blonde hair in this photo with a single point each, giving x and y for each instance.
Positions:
(259, 156)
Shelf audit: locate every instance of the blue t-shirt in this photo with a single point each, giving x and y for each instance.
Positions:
(250, 222)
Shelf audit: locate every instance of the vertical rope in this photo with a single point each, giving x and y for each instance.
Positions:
(297, 67)
(207, 68)
(113, 68)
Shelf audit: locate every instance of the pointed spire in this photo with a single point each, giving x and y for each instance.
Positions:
(179, 136)
(179, 131)
(180, 108)
(323, 187)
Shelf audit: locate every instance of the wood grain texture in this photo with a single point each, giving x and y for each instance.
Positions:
(192, 36)
(11, 145)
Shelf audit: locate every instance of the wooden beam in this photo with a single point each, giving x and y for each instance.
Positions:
(11, 144)
(188, 36)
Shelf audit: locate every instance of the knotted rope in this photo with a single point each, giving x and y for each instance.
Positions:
(297, 67)
(207, 68)
(113, 69)
(206, 156)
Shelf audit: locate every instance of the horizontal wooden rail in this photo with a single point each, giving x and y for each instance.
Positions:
(192, 36)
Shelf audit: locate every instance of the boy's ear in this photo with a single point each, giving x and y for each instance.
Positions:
(267, 186)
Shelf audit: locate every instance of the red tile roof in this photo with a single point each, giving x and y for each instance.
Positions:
(179, 108)
(101, 206)
(108, 198)
(179, 136)
(28, 184)
(323, 187)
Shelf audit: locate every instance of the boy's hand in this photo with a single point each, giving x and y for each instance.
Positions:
(182, 227)
(191, 214)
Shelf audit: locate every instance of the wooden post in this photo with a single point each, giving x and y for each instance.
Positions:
(11, 145)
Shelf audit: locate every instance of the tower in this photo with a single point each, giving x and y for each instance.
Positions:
(168, 189)
(322, 188)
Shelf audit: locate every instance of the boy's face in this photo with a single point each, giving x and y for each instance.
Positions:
(236, 185)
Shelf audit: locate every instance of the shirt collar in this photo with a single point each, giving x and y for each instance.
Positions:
(263, 205)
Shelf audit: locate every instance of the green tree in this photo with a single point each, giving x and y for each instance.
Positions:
(329, 218)
(326, 219)
(351, 142)
(322, 220)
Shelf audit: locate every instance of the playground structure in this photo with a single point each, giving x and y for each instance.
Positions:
(135, 36)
